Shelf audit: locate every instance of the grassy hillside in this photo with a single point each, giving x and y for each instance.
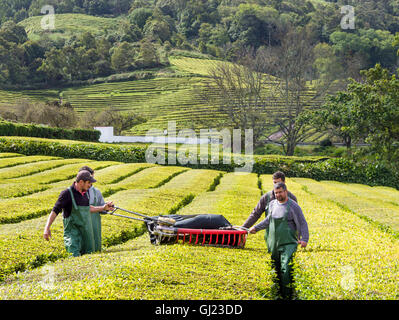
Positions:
(173, 95)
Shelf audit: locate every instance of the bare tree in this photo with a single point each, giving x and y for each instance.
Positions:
(238, 91)
(294, 87)
(271, 88)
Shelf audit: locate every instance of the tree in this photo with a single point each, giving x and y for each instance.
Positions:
(376, 106)
(119, 7)
(52, 65)
(68, 63)
(96, 7)
(291, 93)
(338, 117)
(87, 40)
(12, 68)
(368, 109)
(327, 65)
(123, 57)
(191, 14)
(129, 32)
(12, 32)
(139, 16)
(239, 94)
(254, 25)
(148, 56)
(157, 28)
(40, 113)
(370, 46)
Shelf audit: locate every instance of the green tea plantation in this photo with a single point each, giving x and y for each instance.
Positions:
(353, 251)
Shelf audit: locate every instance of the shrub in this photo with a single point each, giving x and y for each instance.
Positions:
(32, 130)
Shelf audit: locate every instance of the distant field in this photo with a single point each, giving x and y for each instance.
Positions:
(68, 25)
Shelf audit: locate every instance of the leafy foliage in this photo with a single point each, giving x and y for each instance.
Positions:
(219, 28)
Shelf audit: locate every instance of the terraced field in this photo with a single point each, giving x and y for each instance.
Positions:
(350, 255)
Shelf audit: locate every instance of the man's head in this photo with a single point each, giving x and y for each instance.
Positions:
(84, 180)
(280, 191)
(278, 176)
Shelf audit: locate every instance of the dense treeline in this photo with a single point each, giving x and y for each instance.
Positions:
(151, 28)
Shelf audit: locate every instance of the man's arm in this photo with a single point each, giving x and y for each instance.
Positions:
(265, 223)
(100, 198)
(50, 220)
(61, 203)
(260, 226)
(303, 226)
(257, 212)
(106, 207)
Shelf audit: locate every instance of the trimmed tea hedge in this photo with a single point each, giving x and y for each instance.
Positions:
(134, 153)
(31, 130)
(35, 167)
(318, 168)
(379, 208)
(345, 170)
(73, 149)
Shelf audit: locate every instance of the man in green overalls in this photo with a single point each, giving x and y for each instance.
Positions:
(286, 227)
(78, 228)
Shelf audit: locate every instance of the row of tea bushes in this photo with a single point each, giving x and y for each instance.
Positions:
(34, 167)
(347, 257)
(378, 207)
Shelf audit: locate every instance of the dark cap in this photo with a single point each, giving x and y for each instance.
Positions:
(85, 176)
(87, 169)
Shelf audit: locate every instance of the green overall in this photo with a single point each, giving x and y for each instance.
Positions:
(282, 243)
(96, 222)
(78, 230)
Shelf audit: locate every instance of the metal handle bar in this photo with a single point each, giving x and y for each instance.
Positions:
(136, 213)
(119, 215)
(132, 212)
